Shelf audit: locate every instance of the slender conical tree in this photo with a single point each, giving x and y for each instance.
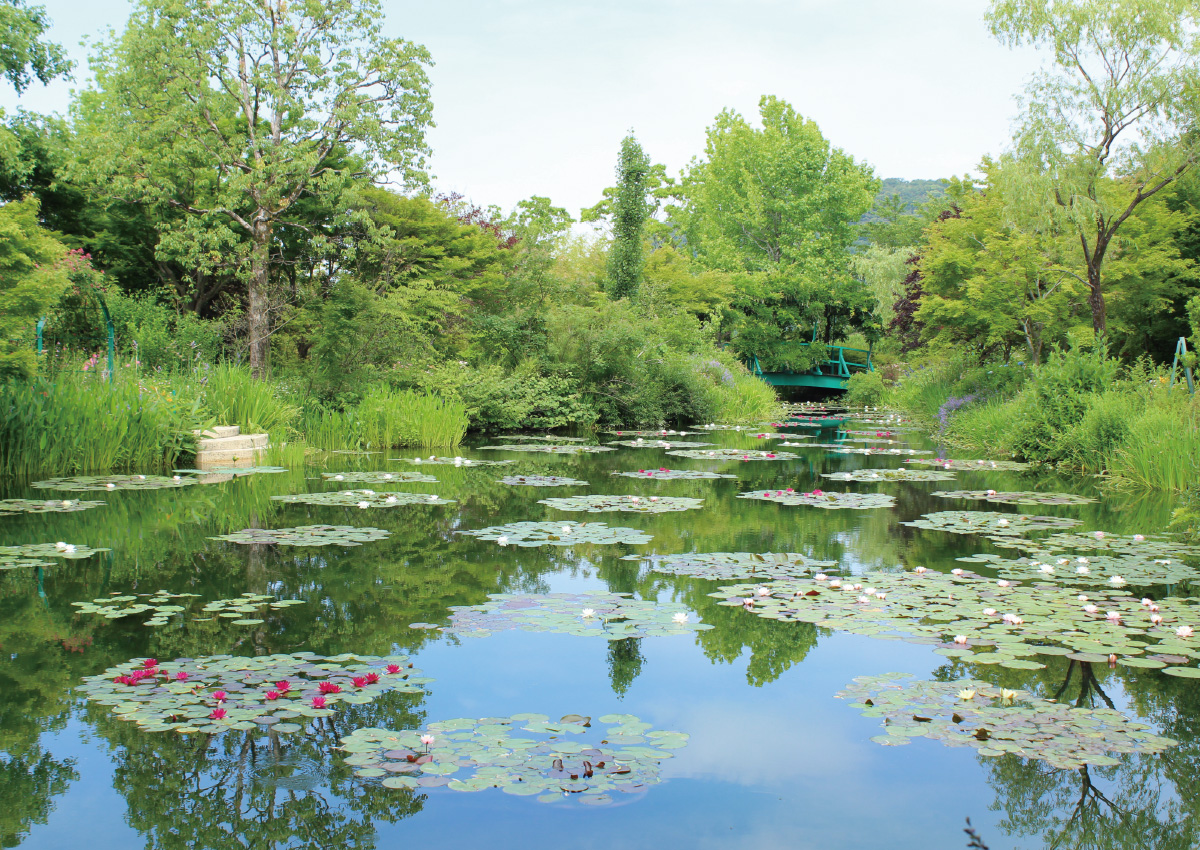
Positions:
(626, 259)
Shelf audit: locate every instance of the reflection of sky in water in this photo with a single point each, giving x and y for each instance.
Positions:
(781, 765)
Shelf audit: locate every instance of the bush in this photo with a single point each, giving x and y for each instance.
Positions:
(496, 400)
(161, 339)
(864, 388)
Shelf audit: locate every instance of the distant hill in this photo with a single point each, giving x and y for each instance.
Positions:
(912, 192)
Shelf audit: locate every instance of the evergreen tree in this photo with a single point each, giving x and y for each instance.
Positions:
(626, 259)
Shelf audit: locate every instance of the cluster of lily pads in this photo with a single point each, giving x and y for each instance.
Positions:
(641, 443)
(363, 499)
(664, 474)
(552, 762)
(280, 693)
(1090, 571)
(624, 504)
(380, 477)
(990, 523)
(996, 721)
(569, 449)
(1099, 541)
(541, 481)
(1016, 497)
(307, 535)
(732, 454)
(162, 603)
(530, 534)
(457, 461)
(725, 566)
(973, 465)
(241, 609)
(232, 470)
(662, 433)
(889, 475)
(35, 554)
(103, 483)
(544, 438)
(614, 616)
(987, 621)
(37, 506)
(823, 499)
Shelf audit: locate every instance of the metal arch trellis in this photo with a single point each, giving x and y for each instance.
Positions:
(1181, 356)
(112, 335)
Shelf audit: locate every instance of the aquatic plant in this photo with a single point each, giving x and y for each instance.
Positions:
(640, 443)
(363, 499)
(1140, 570)
(379, 477)
(823, 499)
(732, 454)
(624, 504)
(1016, 497)
(307, 535)
(455, 461)
(52, 506)
(541, 481)
(529, 534)
(990, 522)
(664, 474)
(873, 475)
(103, 483)
(472, 755)
(571, 449)
(162, 603)
(736, 565)
(973, 465)
(613, 616)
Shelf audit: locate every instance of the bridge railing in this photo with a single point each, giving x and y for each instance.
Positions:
(837, 365)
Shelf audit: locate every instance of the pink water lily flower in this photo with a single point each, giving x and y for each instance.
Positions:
(318, 702)
(217, 714)
(1185, 631)
(219, 696)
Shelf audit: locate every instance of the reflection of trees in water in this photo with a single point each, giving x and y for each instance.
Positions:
(28, 784)
(625, 662)
(253, 789)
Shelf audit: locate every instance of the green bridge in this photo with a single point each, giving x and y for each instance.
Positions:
(830, 375)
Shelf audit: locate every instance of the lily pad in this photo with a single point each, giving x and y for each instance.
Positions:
(975, 465)
(34, 554)
(37, 506)
(543, 438)
(823, 499)
(990, 522)
(455, 461)
(655, 443)
(530, 534)
(162, 605)
(379, 477)
(307, 535)
(1117, 544)
(226, 690)
(874, 475)
(977, 714)
(737, 565)
(663, 433)
(613, 616)
(625, 504)
(664, 474)
(1092, 570)
(233, 470)
(569, 449)
(363, 499)
(247, 603)
(1016, 497)
(487, 753)
(541, 481)
(103, 483)
(732, 454)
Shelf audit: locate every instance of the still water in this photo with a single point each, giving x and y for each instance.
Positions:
(774, 760)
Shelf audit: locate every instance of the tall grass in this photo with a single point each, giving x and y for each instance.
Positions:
(1162, 451)
(235, 398)
(80, 423)
(389, 419)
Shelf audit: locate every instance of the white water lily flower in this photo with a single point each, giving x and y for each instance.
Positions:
(654, 498)
(502, 540)
(588, 613)
(966, 694)
(820, 577)
(762, 591)
(960, 639)
(1184, 631)
(66, 503)
(1012, 619)
(1146, 600)
(1003, 583)
(956, 571)
(433, 498)
(1116, 581)
(1113, 616)
(339, 477)
(919, 570)
(111, 486)
(1082, 597)
(633, 499)
(367, 492)
(1046, 568)
(1090, 609)
(1082, 571)
(835, 584)
(60, 546)
(364, 504)
(1156, 619)
(680, 618)
(870, 591)
(390, 500)
(1082, 560)
(881, 596)
(1007, 696)
(141, 477)
(1002, 522)
(427, 739)
(1138, 538)
(433, 457)
(862, 600)
(417, 460)
(387, 476)
(989, 612)
(991, 492)
(70, 548)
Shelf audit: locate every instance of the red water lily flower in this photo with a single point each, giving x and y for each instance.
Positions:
(272, 694)
(359, 681)
(329, 688)
(372, 678)
(318, 702)
(149, 662)
(181, 676)
(393, 668)
(219, 696)
(283, 686)
(217, 714)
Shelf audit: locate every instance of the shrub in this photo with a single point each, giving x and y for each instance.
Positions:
(160, 338)
(864, 388)
(496, 400)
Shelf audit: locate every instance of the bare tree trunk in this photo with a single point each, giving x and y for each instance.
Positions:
(259, 317)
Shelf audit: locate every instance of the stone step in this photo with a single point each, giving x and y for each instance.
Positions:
(230, 457)
(228, 444)
(220, 431)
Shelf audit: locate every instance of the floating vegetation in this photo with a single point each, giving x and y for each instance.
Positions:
(973, 465)
(658, 444)
(89, 484)
(36, 506)
(162, 603)
(736, 565)
(34, 554)
(380, 477)
(472, 755)
(574, 449)
(872, 475)
(1100, 541)
(232, 470)
(547, 438)
(990, 522)
(995, 721)
(732, 454)
(541, 481)
(625, 504)
(240, 610)
(277, 692)
(531, 534)
(963, 613)
(307, 535)
(1094, 571)
(363, 499)
(664, 474)
(822, 499)
(667, 433)
(614, 616)
(853, 450)
(457, 461)
(1016, 497)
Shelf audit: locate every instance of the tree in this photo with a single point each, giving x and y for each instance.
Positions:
(1120, 102)
(234, 112)
(781, 203)
(23, 55)
(626, 258)
(34, 271)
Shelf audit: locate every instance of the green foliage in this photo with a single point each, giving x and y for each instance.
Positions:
(1162, 451)
(626, 256)
(162, 338)
(387, 418)
(23, 55)
(864, 388)
(81, 423)
(34, 273)
(498, 400)
(233, 397)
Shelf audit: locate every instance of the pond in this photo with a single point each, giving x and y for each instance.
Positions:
(497, 654)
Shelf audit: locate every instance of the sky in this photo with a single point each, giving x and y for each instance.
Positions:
(533, 97)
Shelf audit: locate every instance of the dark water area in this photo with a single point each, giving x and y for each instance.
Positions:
(774, 759)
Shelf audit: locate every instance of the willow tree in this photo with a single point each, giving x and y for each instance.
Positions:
(1110, 124)
(234, 111)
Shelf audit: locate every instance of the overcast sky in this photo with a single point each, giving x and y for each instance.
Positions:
(532, 97)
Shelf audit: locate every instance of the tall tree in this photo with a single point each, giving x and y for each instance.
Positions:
(24, 56)
(34, 272)
(626, 258)
(1120, 101)
(233, 112)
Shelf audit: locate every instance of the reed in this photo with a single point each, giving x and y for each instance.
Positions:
(1162, 451)
(235, 398)
(386, 419)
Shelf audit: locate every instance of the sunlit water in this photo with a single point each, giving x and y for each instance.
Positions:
(774, 759)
